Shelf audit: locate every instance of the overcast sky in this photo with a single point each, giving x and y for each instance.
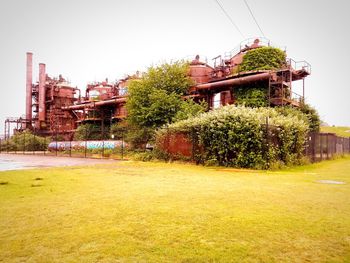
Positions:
(90, 40)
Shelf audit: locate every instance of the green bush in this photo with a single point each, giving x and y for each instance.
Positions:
(306, 113)
(312, 115)
(238, 136)
(25, 141)
(264, 58)
(251, 96)
(91, 132)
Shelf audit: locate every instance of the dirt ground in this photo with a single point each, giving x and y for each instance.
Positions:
(35, 161)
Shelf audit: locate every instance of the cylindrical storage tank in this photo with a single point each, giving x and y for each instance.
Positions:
(200, 73)
(42, 92)
(29, 81)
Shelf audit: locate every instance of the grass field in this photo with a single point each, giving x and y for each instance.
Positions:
(340, 131)
(156, 212)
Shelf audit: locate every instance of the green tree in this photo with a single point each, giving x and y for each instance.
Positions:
(91, 132)
(312, 115)
(155, 99)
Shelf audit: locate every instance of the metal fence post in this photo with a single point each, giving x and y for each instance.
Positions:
(24, 142)
(122, 148)
(103, 141)
(33, 144)
(15, 144)
(327, 142)
(45, 145)
(321, 148)
(8, 146)
(85, 148)
(70, 148)
(56, 143)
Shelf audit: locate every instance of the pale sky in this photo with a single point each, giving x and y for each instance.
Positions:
(92, 40)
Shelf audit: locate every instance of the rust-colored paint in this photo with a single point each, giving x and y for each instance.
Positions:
(29, 81)
(53, 105)
(234, 81)
(42, 93)
(176, 144)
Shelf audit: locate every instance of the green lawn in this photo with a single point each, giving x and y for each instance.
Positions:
(156, 212)
(340, 131)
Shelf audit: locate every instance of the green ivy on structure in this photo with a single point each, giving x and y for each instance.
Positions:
(264, 58)
(251, 96)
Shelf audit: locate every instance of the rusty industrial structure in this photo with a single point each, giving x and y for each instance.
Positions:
(53, 106)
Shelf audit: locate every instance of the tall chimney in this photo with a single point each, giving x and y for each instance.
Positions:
(42, 93)
(29, 81)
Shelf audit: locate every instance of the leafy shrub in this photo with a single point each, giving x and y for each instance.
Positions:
(25, 141)
(313, 117)
(264, 58)
(251, 96)
(91, 132)
(239, 137)
(306, 113)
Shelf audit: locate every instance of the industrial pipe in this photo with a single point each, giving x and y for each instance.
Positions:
(42, 93)
(29, 81)
(93, 104)
(235, 81)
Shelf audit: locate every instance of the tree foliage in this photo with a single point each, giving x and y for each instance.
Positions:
(26, 141)
(155, 99)
(91, 132)
(312, 115)
(306, 113)
(251, 96)
(239, 137)
(263, 58)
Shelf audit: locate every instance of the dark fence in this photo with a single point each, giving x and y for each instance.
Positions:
(111, 146)
(323, 146)
(319, 146)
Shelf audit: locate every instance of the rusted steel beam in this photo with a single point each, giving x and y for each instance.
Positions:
(94, 104)
(42, 93)
(235, 81)
(29, 81)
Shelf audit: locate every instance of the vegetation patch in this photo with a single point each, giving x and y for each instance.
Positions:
(245, 137)
(263, 58)
(25, 141)
(156, 100)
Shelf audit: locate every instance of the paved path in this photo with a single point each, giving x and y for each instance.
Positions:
(35, 161)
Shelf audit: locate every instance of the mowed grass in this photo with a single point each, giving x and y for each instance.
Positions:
(340, 131)
(157, 212)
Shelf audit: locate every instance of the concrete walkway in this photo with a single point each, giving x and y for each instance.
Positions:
(35, 161)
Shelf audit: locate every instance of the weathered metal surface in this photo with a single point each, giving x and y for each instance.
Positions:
(42, 94)
(52, 104)
(29, 81)
(234, 81)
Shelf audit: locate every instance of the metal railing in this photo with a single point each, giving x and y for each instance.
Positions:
(299, 65)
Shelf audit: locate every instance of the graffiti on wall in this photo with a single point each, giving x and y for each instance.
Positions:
(89, 145)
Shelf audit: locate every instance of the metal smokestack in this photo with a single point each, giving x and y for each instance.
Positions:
(42, 93)
(29, 81)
